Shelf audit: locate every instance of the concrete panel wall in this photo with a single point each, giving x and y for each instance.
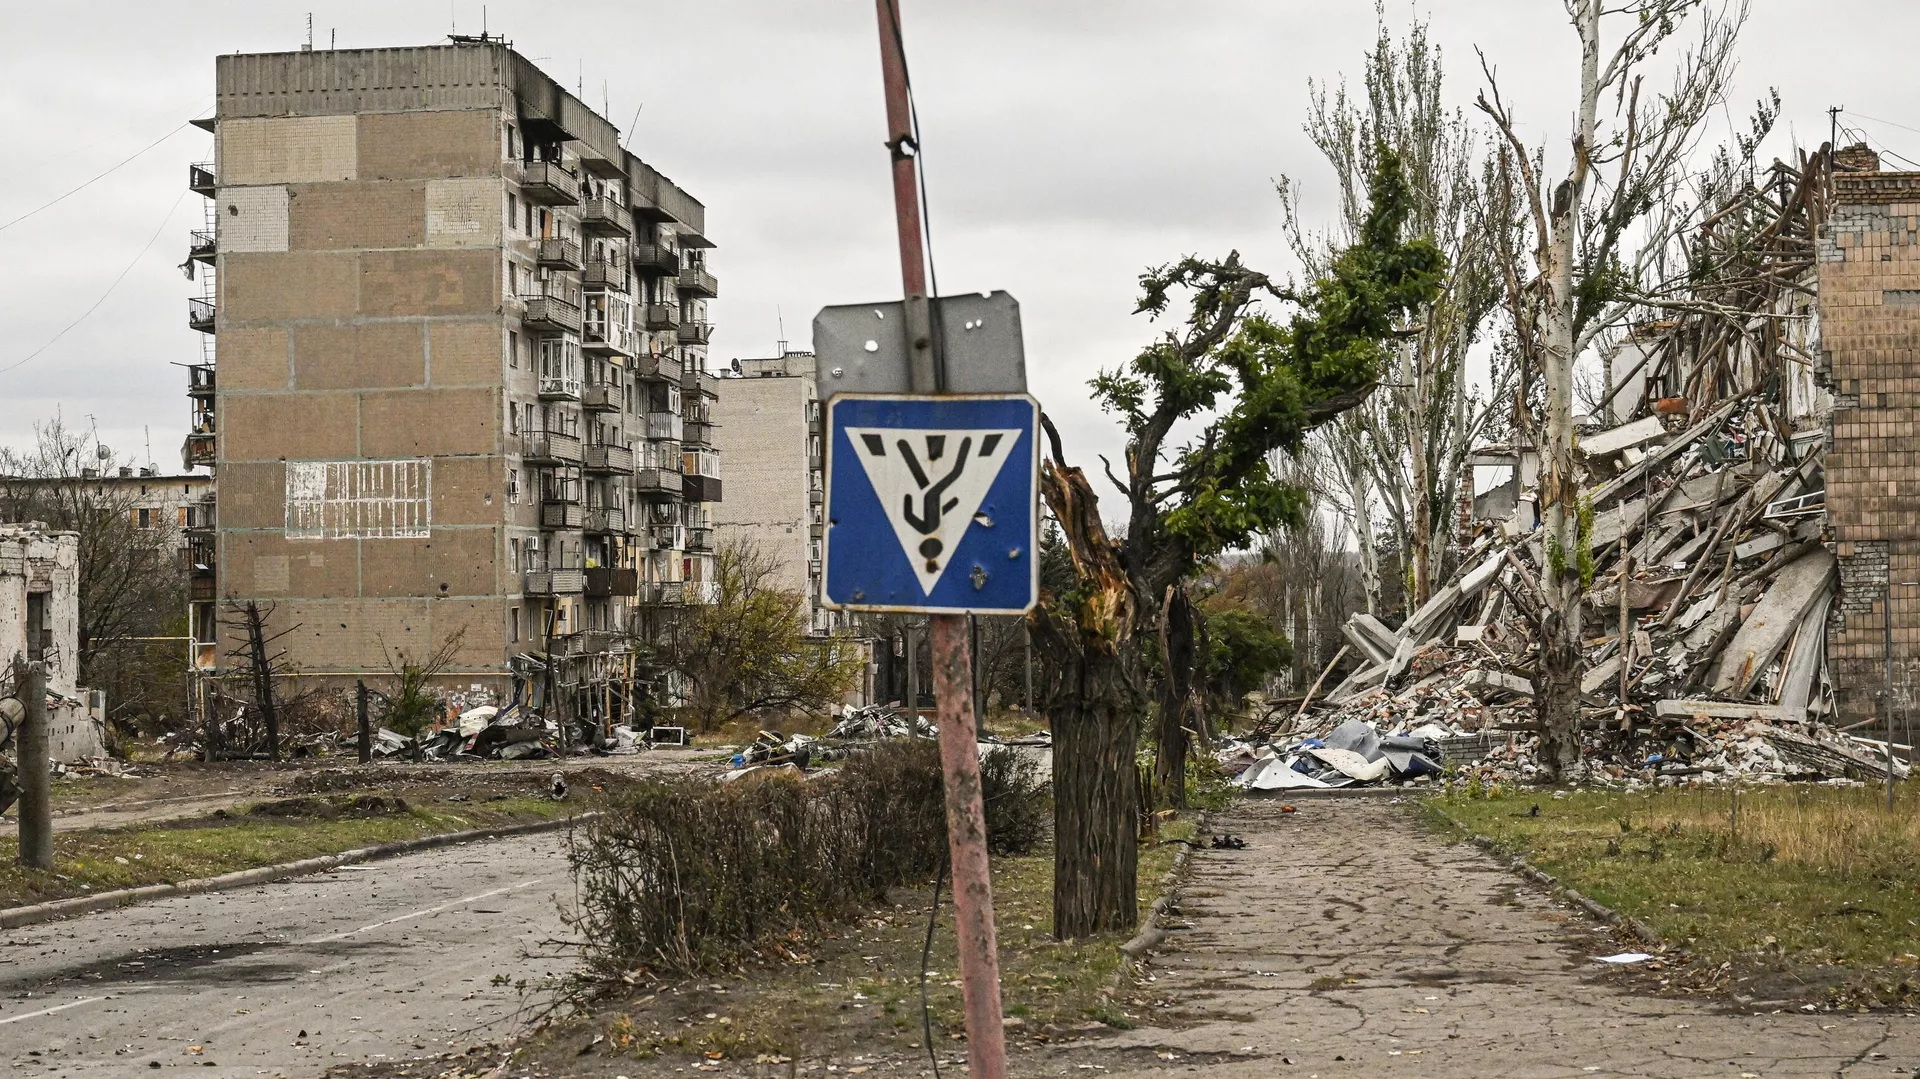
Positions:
(430, 423)
(330, 217)
(253, 495)
(465, 212)
(423, 145)
(254, 358)
(468, 490)
(268, 564)
(363, 355)
(312, 427)
(466, 353)
(288, 149)
(298, 284)
(453, 562)
(760, 428)
(400, 283)
(251, 219)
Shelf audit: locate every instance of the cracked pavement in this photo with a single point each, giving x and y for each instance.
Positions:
(1347, 940)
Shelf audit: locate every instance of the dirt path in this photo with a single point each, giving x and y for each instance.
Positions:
(1347, 941)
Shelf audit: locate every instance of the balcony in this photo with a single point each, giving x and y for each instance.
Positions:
(700, 488)
(200, 314)
(660, 593)
(200, 178)
(656, 482)
(546, 182)
(601, 397)
(560, 387)
(664, 425)
(550, 313)
(606, 520)
(697, 433)
(203, 589)
(550, 448)
(664, 368)
(610, 459)
(198, 449)
(694, 380)
(603, 337)
(562, 515)
(655, 260)
(699, 539)
(667, 538)
(695, 333)
(605, 217)
(200, 380)
(660, 316)
(202, 246)
(699, 282)
(606, 274)
(816, 497)
(557, 582)
(613, 582)
(560, 253)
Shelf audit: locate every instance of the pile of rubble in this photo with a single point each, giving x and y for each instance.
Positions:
(1706, 653)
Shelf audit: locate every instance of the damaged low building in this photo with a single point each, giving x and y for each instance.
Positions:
(40, 620)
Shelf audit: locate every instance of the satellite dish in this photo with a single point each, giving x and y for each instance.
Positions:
(102, 452)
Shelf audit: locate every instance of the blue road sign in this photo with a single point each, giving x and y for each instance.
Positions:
(932, 503)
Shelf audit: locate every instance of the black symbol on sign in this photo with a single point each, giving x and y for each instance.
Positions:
(932, 494)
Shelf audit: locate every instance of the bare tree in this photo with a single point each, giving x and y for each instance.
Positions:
(1596, 238)
(1396, 461)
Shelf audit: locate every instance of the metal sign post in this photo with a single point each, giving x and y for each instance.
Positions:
(919, 458)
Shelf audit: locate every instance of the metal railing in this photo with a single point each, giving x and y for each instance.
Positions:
(551, 312)
(656, 260)
(202, 245)
(547, 181)
(560, 252)
(606, 519)
(200, 314)
(695, 333)
(661, 316)
(609, 459)
(200, 177)
(605, 273)
(539, 446)
(699, 282)
(605, 216)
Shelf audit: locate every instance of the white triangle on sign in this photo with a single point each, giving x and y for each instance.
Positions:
(931, 484)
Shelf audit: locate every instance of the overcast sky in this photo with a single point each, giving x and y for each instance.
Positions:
(1069, 143)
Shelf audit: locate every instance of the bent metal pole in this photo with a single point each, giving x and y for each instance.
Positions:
(952, 659)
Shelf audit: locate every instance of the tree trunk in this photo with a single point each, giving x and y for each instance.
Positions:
(1363, 535)
(1176, 690)
(1096, 804)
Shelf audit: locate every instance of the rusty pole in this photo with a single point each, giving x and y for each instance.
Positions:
(947, 634)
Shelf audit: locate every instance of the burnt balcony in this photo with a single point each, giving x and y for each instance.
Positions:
(613, 582)
(656, 483)
(700, 488)
(699, 539)
(200, 380)
(696, 333)
(550, 448)
(617, 460)
(661, 316)
(555, 513)
(198, 449)
(605, 217)
(560, 253)
(553, 582)
(698, 282)
(663, 368)
(202, 246)
(606, 520)
(606, 274)
(200, 178)
(199, 314)
(655, 260)
(552, 314)
(546, 182)
(601, 397)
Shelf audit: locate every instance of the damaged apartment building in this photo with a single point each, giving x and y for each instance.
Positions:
(1754, 483)
(454, 383)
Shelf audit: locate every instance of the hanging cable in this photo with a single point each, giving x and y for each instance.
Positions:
(926, 955)
(90, 183)
(164, 222)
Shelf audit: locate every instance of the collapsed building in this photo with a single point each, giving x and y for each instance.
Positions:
(40, 622)
(1753, 599)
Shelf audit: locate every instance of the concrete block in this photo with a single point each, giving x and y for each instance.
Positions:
(1786, 604)
(368, 355)
(295, 426)
(251, 219)
(430, 423)
(424, 145)
(469, 352)
(465, 212)
(253, 358)
(461, 559)
(333, 217)
(287, 149)
(296, 284)
(429, 282)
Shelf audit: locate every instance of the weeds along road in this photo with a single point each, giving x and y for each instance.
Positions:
(382, 961)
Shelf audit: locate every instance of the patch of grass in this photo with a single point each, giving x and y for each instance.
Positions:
(96, 861)
(858, 990)
(1813, 875)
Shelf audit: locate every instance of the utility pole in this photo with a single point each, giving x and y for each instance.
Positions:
(360, 714)
(36, 805)
(952, 658)
(1886, 696)
(913, 680)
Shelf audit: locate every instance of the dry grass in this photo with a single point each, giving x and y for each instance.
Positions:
(1844, 831)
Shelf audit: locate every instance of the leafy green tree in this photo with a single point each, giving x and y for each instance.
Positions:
(1242, 651)
(1254, 385)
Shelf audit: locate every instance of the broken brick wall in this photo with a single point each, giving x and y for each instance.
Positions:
(1869, 251)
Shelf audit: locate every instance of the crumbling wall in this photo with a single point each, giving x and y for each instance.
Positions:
(1870, 340)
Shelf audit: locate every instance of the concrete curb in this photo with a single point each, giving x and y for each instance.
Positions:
(32, 914)
(1151, 933)
(1599, 911)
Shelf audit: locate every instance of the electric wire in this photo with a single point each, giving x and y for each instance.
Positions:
(164, 222)
(926, 956)
(89, 183)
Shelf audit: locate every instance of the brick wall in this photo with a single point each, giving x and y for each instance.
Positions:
(1870, 327)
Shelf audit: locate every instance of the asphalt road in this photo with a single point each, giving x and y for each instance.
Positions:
(376, 962)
